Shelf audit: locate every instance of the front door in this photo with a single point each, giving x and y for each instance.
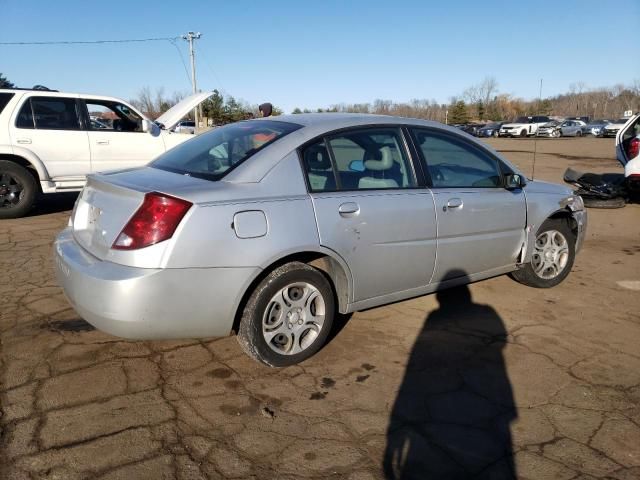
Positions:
(50, 127)
(116, 138)
(370, 210)
(481, 225)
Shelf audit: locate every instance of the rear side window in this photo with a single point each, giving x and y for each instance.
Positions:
(455, 163)
(364, 159)
(49, 113)
(4, 99)
(211, 155)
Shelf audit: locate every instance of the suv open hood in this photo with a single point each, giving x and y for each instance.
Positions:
(172, 117)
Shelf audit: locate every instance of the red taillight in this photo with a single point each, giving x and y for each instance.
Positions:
(633, 149)
(156, 220)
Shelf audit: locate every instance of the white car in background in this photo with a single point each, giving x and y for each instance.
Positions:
(50, 141)
(186, 126)
(612, 129)
(523, 126)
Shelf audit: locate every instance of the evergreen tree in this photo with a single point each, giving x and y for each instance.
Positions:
(296, 110)
(459, 113)
(480, 108)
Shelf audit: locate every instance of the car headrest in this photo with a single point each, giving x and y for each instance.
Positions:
(384, 163)
(317, 158)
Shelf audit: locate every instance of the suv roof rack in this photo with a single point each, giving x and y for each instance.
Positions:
(41, 88)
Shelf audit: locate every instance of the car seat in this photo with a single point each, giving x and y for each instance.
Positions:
(379, 173)
(319, 168)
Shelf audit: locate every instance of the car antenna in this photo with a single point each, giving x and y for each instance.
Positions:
(535, 138)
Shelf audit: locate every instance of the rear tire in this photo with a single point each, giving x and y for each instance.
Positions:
(18, 190)
(579, 133)
(553, 256)
(609, 203)
(288, 316)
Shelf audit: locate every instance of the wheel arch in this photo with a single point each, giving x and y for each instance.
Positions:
(325, 260)
(29, 161)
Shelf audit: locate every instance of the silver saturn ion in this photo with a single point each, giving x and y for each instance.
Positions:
(272, 227)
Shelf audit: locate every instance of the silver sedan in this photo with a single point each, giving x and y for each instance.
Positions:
(272, 227)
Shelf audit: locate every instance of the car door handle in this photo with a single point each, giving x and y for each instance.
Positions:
(102, 142)
(349, 209)
(23, 140)
(454, 203)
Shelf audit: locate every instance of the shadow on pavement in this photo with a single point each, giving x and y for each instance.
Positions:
(53, 203)
(454, 407)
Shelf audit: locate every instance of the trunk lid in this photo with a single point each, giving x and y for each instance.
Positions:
(172, 117)
(109, 200)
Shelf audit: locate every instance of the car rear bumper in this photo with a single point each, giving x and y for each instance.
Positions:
(143, 303)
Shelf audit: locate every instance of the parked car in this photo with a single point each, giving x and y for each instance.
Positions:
(628, 153)
(612, 129)
(186, 126)
(523, 126)
(271, 227)
(49, 143)
(571, 128)
(490, 129)
(472, 128)
(549, 129)
(595, 127)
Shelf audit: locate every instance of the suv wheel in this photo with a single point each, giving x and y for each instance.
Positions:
(288, 316)
(523, 133)
(17, 190)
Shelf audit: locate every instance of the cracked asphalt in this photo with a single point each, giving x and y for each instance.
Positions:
(494, 380)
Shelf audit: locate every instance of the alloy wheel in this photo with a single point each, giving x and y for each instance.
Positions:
(11, 190)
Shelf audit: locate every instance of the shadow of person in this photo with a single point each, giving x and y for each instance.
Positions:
(452, 413)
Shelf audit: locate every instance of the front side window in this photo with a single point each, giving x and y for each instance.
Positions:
(211, 155)
(49, 113)
(112, 116)
(363, 159)
(452, 162)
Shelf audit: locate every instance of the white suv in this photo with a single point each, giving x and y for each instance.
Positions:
(523, 126)
(50, 141)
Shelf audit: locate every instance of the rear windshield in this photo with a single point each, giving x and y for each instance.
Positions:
(4, 99)
(212, 154)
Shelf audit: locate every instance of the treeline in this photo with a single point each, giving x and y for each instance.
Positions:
(483, 102)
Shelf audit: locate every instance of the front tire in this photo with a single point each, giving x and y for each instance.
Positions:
(523, 133)
(552, 258)
(288, 316)
(17, 190)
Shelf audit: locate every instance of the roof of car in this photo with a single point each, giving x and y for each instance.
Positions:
(326, 119)
(56, 93)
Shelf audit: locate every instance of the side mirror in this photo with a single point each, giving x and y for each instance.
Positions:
(150, 127)
(513, 181)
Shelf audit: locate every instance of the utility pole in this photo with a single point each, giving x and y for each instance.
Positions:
(190, 37)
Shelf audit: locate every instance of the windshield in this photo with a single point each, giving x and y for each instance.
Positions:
(552, 123)
(621, 120)
(212, 154)
(522, 120)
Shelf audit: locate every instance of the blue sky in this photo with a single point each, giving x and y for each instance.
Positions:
(315, 54)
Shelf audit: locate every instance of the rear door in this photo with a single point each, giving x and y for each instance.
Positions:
(481, 225)
(50, 127)
(116, 138)
(371, 210)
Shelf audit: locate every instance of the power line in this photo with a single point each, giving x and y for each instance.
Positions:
(184, 63)
(88, 42)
